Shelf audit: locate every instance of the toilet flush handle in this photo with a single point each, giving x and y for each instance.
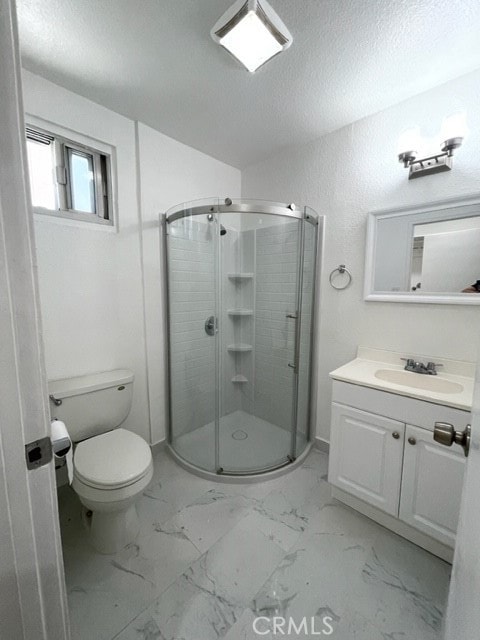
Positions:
(56, 401)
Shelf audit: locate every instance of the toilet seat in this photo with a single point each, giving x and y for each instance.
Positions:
(112, 460)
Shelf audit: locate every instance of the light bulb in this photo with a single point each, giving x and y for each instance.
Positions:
(454, 126)
(251, 42)
(252, 32)
(409, 140)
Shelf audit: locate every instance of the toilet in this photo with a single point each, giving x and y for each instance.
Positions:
(111, 465)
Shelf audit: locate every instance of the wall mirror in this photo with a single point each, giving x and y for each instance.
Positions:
(425, 254)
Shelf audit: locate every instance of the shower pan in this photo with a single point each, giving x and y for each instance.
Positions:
(240, 285)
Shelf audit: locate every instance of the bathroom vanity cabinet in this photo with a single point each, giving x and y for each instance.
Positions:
(385, 463)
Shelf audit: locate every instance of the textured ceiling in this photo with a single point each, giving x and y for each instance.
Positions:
(154, 61)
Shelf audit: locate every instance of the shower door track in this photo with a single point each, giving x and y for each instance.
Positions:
(266, 209)
(266, 473)
(261, 470)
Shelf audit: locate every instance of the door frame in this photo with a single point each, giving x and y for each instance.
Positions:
(462, 620)
(38, 607)
(298, 336)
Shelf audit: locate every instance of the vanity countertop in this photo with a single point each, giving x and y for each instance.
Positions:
(455, 380)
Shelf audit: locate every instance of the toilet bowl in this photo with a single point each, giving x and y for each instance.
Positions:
(110, 472)
(111, 465)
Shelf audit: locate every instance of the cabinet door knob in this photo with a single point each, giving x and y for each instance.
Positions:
(412, 440)
(395, 435)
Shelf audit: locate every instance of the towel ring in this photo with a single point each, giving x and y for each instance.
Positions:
(341, 269)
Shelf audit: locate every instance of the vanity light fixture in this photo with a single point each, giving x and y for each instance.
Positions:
(452, 133)
(252, 32)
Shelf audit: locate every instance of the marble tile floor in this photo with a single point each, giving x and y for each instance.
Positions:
(211, 557)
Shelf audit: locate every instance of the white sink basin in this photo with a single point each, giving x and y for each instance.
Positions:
(418, 381)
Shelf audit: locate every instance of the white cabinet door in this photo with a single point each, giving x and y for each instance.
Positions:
(432, 485)
(366, 452)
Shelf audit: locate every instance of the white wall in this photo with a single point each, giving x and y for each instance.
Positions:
(392, 255)
(90, 277)
(451, 261)
(350, 172)
(94, 280)
(170, 173)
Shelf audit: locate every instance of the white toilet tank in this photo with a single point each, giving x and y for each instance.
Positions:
(93, 404)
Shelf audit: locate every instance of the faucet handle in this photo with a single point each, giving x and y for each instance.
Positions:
(431, 366)
(410, 361)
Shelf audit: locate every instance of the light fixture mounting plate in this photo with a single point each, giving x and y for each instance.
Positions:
(429, 166)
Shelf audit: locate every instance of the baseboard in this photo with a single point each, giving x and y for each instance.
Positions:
(322, 445)
(158, 446)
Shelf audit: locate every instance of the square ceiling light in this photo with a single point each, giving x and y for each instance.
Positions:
(252, 32)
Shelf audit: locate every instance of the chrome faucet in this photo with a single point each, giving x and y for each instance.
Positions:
(429, 369)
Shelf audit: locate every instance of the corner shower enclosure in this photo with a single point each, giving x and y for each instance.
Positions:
(240, 287)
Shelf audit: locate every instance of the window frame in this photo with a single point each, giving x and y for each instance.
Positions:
(103, 177)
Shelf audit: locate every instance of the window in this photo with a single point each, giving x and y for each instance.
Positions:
(68, 179)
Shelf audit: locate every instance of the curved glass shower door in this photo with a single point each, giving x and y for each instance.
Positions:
(192, 280)
(259, 280)
(240, 292)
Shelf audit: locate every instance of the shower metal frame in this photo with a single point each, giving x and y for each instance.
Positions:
(255, 207)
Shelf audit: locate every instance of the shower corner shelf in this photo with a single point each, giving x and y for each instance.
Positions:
(239, 347)
(240, 312)
(240, 276)
(239, 379)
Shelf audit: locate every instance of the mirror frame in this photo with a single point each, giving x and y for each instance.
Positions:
(465, 206)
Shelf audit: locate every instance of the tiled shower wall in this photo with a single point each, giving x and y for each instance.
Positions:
(238, 256)
(192, 300)
(276, 258)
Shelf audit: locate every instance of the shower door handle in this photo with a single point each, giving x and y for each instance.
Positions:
(293, 316)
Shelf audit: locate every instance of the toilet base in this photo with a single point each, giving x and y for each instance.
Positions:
(110, 531)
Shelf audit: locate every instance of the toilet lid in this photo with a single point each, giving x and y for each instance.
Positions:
(112, 460)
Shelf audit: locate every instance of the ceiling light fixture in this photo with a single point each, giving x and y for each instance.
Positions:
(252, 32)
(452, 133)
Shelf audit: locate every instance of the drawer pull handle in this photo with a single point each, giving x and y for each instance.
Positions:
(412, 440)
(395, 435)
